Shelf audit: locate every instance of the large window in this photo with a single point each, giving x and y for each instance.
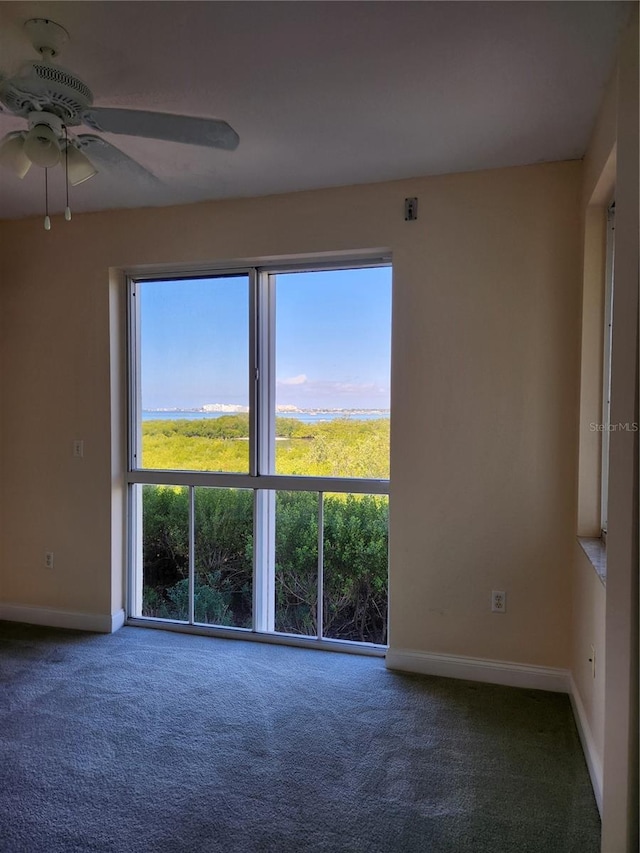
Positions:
(259, 450)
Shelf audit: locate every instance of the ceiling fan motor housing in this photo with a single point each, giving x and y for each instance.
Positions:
(43, 86)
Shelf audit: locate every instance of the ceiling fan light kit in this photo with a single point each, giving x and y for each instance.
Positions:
(53, 99)
(79, 167)
(12, 154)
(41, 142)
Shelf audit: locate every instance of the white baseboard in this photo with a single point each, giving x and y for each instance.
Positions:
(117, 620)
(97, 622)
(480, 669)
(594, 763)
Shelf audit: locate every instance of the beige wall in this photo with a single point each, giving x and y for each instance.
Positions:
(620, 803)
(485, 393)
(486, 361)
(609, 618)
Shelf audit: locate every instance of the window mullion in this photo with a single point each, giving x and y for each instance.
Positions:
(264, 561)
(192, 554)
(134, 603)
(264, 518)
(265, 374)
(320, 616)
(254, 371)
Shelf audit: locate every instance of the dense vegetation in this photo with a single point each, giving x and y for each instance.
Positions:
(354, 532)
(334, 448)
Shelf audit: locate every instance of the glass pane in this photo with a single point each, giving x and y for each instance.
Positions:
(165, 552)
(355, 543)
(297, 563)
(194, 368)
(223, 589)
(333, 339)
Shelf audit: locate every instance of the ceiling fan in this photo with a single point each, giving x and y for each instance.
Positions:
(53, 100)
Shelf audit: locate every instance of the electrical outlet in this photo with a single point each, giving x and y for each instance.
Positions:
(498, 601)
(78, 448)
(48, 559)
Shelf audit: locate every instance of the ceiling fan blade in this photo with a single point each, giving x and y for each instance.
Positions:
(104, 154)
(192, 130)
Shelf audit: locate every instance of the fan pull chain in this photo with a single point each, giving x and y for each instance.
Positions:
(67, 210)
(47, 221)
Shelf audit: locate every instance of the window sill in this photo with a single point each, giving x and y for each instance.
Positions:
(596, 551)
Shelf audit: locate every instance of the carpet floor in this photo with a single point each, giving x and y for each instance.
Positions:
(148, 740)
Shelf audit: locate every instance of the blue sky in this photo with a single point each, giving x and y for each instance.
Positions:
(332, 340)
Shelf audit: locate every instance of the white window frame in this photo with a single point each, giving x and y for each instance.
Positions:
(261, 477)
(606, 368)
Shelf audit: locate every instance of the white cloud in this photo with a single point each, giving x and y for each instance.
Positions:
(329, 386)
(348, 387)
(294, 380)
(301, 391)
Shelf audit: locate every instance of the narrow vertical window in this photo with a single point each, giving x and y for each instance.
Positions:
(606, 372)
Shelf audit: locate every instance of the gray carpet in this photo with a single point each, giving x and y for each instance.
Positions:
(153, 741)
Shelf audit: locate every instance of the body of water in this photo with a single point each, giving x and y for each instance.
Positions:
(306, 417)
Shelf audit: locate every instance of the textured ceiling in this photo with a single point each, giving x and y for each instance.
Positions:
(324, 94)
